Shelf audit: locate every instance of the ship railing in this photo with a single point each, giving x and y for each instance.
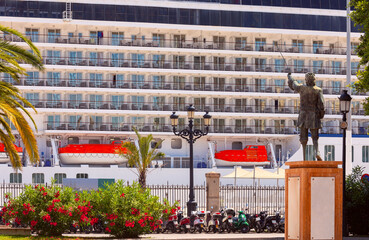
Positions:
(260, 65)
(205, 42)
(259, 85)
(154, 106)
(284, 129)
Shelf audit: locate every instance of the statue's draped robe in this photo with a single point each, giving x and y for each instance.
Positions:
(311, 104)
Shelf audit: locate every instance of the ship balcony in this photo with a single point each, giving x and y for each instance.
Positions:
(154, 106)
(240, 85)
(70, 127)
(238, 44)
(230, 66)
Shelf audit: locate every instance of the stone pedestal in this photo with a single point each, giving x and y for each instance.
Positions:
(212, 191)
(313, 200)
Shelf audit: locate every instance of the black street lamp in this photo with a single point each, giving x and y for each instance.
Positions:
(191, 135)
(345, 104)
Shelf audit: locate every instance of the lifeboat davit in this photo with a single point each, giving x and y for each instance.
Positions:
(251, 155)
(92, 154)
(4, 157)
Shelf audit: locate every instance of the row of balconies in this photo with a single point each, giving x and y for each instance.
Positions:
(150, 106)
(191, 65)
(218, 43)
(83, 126)
(243, 86)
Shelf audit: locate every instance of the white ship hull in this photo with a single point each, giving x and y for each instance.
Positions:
(91, 159)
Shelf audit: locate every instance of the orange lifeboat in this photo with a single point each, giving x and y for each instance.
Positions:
(4, 158)
(98, 154)
(251, 155)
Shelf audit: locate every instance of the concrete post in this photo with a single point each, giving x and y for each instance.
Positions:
(212, 191)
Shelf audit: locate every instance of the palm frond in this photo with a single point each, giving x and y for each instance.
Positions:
(11, 151)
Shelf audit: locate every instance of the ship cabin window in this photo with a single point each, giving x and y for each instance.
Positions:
(94, 141)
(236, 145)
(309, 154)
(73, 140)
(82, 175)
(365, 154)
(38, 178)
(329, 153)
(176, 143)
(16, 178)
(59, 177)
(155, 141)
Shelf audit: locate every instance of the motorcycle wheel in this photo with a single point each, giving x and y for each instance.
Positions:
(192, 229)
(257, 227)
(171, 228)
(229, 228)
(270, 227)
(158, 230)
(245, 228)
(199, 229)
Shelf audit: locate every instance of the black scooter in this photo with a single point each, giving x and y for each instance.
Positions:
(253, 221)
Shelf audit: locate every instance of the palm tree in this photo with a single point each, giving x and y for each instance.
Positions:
(11, 101)
(141, 157)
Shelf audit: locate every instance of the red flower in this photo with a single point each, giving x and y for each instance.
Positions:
(178, 207)
(165, 211)
(77, 199)
(122, 195)
(44, 193)
(53, 223)
(57, 194)
(112, 224)
(173, 211)
(46, 218)
(6, 196)
(70, 214)
(107, 230)
(36, 186)
(33, 223)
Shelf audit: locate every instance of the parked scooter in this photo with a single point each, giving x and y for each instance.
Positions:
(267, 222)
(199, 222)
(240, 223)
(171, 224)
(227, 221)
(184, 223)
(217, 221)
(254, 222)
(280, 222)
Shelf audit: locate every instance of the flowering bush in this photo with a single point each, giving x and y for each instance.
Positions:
(48, 211)
(122, 211)
(128, 211)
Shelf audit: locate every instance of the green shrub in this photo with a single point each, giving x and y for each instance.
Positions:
(128, 211)
(356, 202)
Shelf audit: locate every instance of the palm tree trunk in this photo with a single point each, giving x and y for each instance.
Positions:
(142, 179)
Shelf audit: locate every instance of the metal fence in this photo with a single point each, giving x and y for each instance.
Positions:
(180, 193)
(256, 198)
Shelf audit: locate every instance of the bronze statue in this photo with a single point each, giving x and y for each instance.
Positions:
(311, 110)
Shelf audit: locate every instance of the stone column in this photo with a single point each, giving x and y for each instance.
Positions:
(212, 191)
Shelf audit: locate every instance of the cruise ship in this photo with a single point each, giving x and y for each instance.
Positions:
(111, 65)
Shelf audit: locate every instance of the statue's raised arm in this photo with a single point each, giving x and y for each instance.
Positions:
(293, 84)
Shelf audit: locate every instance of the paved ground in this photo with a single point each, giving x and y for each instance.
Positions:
(202, 236)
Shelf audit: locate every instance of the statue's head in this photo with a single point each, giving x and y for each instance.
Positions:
(310, 79)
